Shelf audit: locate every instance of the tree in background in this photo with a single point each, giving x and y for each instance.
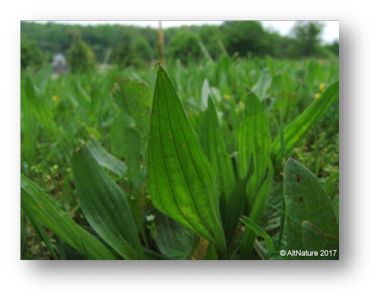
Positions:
(133, 49)
(185, 47)
(142, 52)
(31, 54)
(334, 47)
(246, 38)
(122, 52)
(80, 56)
(308, 38)
(211, 37)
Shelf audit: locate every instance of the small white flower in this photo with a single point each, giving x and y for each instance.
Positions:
(150, 217)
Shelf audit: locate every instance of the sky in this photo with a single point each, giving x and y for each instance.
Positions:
(330, 32)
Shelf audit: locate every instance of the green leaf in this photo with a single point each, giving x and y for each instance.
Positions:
(259, 232)
(213, 144)
(296, 129)
(42, 234)
(311, 223)
(182, 180)
(42, 207)
(126, 144)
(173, 240)
(254, 141)
(105, 205)
(134, 97)
(105, 159)
(255, 214)
(262, 84)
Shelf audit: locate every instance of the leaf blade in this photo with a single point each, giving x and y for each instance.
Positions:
(296, 129)
(44, 208)
(181, 179)
(105, 205)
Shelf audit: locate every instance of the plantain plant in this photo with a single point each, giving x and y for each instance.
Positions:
(209, 188)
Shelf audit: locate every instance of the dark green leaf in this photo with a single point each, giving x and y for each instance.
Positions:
(105, 205)
(44, 208)
(173, 240)
(259, 232)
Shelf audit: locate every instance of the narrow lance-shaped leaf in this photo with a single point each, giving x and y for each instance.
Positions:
(182, 181)
(126, 143)
(254, 141)
(42, 207)
(309, 211)
(297, 128)
(105, 205)
(214, 146)
(248, 238)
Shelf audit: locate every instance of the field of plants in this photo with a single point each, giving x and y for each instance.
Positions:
(231, 158)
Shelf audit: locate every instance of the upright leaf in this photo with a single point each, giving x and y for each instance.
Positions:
(42, 207)
(263, 83)
(254, 141)
(297, 128)
(214, 146)
(126, 144)
(105, 205)
(311, 223)
(182, 181)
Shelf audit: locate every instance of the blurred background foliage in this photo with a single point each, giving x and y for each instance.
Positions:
(137, 46)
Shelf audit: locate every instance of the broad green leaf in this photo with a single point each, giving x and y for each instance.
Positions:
(311, 222)
(105, 159)
(213, 144)
(173, 240)
(42, 207)
(296, 129)
(254, 141)
(105, 205)
(182, 180)
(257, 230)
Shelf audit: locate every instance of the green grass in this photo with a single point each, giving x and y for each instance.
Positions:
(164, 163)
